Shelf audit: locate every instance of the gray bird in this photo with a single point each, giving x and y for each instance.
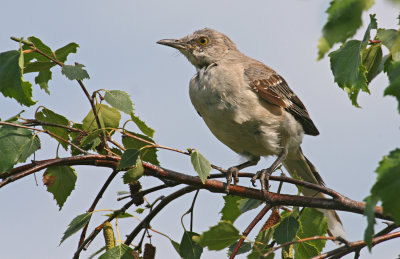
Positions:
(251, 109)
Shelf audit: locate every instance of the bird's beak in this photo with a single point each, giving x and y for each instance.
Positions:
(177, 44)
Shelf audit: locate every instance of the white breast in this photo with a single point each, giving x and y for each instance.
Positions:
(236, 115)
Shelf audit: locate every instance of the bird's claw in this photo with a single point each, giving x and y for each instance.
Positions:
(263, 175)
(232, 172)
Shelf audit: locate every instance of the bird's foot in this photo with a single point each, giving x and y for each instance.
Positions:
(232, 172)
(263, 175)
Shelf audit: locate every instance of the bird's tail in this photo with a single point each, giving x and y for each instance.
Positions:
(298, 164)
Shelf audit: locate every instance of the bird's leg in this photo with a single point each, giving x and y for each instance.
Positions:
(265, 173)
(232, 172)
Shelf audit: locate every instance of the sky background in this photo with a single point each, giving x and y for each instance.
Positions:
(117, 46)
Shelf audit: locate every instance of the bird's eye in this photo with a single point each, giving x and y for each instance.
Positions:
(203, 41)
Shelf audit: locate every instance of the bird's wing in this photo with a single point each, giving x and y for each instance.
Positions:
(273, 88)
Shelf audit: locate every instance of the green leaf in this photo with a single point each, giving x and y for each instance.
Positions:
(312, 223)
(247, 204)
(147, 154)
(38, 66)
(344, 18)
(42, 79)
(175, 245)
(219, 236)
(244, 248)
(97, 252)
(120, 100)
(76, 224)
(134, 173)
(348, 71)
(372, 59)
(16, 145)
(231, 210)
(260, 247)
(370, 214)
(387, 185)
(109, 118)
(62, 53)
(12, 83)
(142, 125)
(390, 38)
(139, 210)
(75, 72)
(188, 249)
(393, 71)
(42, 47)
(119, 252)
(60, 181)
(201, 165)
(129, 158)
(49, 116)
(286, 230)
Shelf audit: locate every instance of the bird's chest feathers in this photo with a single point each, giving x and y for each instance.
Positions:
(213, 93)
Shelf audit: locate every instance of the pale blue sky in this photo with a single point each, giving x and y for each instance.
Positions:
(117, 45)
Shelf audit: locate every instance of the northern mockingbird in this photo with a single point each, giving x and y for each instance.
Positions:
(251, 109)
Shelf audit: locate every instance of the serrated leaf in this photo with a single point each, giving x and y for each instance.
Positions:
(119, 252)
(286, 230)
(188, 249)
(247, 204)
(134, 173)
(370, 203)
(63, 52)
(219, 236)
(16, 145)
(344, 18)
(244, 248)
(60, 181)
(42, 79)
(49, 116)
(142, 125)
(312, 223)
(120, 100)
(393, 71)
(231, 210)
(348, 71)
(76, 224)
(12, 83)
(75, 72)
(109, 118)
(387, 184)
(147, 154)
(129, 158)
(201, 165)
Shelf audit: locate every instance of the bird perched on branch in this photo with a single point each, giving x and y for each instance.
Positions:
(251, 109)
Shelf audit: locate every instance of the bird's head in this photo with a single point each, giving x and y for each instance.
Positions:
(203, 47)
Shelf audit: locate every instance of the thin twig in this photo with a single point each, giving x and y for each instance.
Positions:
(164, 202)
(253, 223)
(34, 122)
(94, 203)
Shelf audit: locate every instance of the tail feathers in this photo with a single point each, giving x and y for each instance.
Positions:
(299, 165)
